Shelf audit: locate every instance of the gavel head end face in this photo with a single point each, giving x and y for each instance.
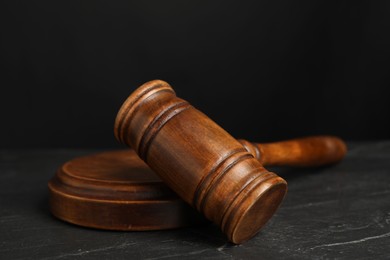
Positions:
(130, 105)
(266, 200)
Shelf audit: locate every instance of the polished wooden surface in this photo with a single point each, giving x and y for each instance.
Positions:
(310, 151)
(116, 190)
(201, 162)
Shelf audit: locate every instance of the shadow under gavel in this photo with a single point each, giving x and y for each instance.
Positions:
(313, 151)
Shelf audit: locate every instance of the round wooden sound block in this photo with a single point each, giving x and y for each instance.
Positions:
(116, 190)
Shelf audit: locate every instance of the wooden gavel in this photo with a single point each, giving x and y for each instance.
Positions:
(209, 169)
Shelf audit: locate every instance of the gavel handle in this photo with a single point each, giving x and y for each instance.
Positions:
(302, 152)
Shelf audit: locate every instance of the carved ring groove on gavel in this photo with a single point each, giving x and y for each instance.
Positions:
(199, 160)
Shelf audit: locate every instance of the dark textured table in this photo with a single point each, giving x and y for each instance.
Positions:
(342, 211)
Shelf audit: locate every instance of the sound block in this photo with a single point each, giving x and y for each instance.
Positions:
(116, 190)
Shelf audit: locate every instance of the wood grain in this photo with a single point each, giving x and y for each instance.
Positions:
(310, 151)
(116, 190)
(200, 161)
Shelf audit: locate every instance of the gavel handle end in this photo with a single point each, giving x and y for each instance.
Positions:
(310, 151)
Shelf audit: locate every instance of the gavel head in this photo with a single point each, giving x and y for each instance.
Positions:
(199, 160)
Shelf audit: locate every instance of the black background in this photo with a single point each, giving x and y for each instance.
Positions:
(263, 70)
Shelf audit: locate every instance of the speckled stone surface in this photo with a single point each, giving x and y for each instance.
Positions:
(342, 211)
